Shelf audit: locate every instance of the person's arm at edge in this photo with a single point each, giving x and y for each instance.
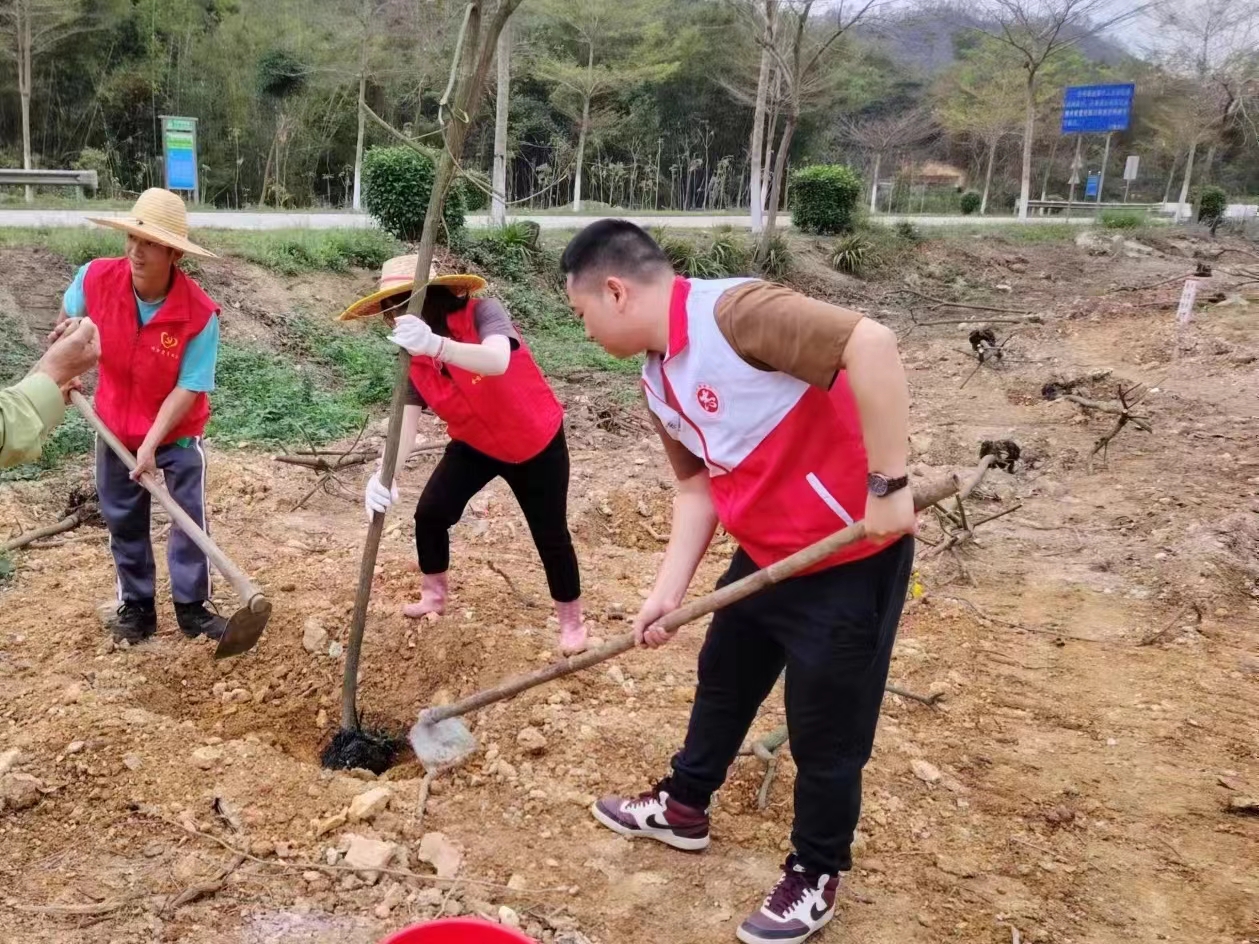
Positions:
(29, 410)
(694, 523)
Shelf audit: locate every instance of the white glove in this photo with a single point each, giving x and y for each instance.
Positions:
(416, 336)
(378, 498)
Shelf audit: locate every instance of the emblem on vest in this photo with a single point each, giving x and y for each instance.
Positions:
(166, 347)
(707, 399)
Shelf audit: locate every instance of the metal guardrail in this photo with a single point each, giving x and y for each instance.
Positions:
(50, 178)
(1089, 205)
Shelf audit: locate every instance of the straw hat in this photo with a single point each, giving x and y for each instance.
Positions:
(160, 217)
(398, 275)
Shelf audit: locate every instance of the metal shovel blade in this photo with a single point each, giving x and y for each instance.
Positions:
(243, 630)
(442, 744)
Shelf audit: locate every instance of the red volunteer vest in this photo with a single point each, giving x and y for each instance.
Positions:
(787, 460)
(139, 365)
(512, 417)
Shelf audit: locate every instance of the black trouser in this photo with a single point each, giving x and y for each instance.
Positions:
(540, 486)
(833, 631)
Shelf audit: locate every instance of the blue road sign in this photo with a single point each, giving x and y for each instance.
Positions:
(1097, 109)
(1090, 186)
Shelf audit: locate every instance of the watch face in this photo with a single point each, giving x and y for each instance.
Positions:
(878, 485)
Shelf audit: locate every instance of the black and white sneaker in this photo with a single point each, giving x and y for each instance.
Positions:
(801, 904)
(657, 816)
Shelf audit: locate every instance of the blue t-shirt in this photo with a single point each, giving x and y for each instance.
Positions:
(196, 370)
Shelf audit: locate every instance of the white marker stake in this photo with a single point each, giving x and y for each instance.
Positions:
(1184, 312)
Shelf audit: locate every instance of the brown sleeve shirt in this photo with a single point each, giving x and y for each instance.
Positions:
(774, 328)
(491, 318)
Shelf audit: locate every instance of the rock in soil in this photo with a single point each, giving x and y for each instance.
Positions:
(368, 856)
(1244, 804)
(8, 760)
(205, 758)
(532, 740)
(19, 791)
(441, 854)
(924, 771)
(314, 637)
(367, 806)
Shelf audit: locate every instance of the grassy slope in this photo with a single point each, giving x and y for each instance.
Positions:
(325, 378)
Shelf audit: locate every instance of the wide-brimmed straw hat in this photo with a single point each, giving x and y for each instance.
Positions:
(398, 275)
(160, 217)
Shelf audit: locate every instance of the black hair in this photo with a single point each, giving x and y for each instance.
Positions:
(439, 304)
(614, 246)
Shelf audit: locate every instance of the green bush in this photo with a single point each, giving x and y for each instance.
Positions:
(851, 254)
(727, 253)
(475, 200)
(1212, 202)
(971, 202)
(363, 362)
(824, 198)
(510, 251)
(688, 258)
(908, 232)
(292, 252)
(97, 160)
(281, 74)
(397, 183)
(776, 264)
(263, 398)
(1121, 219)
(730, 252)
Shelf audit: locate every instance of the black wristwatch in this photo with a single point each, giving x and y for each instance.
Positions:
(880, 485)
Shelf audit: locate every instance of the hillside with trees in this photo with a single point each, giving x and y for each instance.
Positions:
(634, 104)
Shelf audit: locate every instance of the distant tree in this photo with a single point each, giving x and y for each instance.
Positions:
(599, 25)
(1210, 77)
(29, 30)
(803, 51)
(881, 135)
(982, 97)
(1038, 31)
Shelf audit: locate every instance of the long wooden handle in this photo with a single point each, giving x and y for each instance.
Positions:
(244, 587)
(701, 606)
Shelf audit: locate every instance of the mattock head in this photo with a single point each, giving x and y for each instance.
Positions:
(442, 744)
(243, 630)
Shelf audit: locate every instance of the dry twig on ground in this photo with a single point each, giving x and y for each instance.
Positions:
(1123, 409)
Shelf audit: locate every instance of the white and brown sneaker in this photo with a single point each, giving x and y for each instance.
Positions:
(657, 816)
(801, 904)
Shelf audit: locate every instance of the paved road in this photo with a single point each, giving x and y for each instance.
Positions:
(262, 221)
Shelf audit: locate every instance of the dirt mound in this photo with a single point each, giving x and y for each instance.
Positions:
(1083, 779)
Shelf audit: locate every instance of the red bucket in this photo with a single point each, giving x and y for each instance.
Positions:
(457, 931)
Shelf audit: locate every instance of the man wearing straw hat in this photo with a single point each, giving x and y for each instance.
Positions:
(159, 335)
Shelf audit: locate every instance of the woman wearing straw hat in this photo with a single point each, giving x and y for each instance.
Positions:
(159, 336)
(469, 366)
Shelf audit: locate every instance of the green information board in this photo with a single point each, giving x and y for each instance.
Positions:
(179, 152)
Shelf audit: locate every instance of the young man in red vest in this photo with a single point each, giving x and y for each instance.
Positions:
(159, 343)
(785, 419)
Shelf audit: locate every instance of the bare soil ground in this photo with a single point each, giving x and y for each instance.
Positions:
(1084, 778)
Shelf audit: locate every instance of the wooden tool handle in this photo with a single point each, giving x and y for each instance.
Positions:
(244, 587)
(701, 606)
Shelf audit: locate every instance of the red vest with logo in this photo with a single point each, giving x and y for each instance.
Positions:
(139, 365)
(511, 417)
(787, 460)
